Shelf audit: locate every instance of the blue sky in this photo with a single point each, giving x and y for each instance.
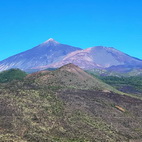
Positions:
(82, 23)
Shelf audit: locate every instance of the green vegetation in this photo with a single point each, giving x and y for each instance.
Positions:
(12, 74)
(65, 106)
(131, 84)
(125, 73)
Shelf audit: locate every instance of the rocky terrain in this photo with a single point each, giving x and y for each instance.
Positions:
(66, 105)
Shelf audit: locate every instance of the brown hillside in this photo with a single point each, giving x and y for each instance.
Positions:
(71, 76)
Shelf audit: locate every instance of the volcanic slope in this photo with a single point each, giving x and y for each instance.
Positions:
(71, 76)
(98, 57)
(46, 53)
(48, 107)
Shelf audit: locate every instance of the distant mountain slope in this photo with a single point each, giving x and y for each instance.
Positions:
(98, 57)
(46, 53)
(52, 54)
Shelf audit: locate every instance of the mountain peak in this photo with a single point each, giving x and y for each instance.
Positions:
(71, 68)
(70, 65)
(51, 41)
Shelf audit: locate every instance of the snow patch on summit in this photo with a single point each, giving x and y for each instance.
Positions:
(51, 40)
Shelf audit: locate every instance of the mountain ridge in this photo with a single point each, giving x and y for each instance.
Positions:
(52, 54)
(97, 57)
